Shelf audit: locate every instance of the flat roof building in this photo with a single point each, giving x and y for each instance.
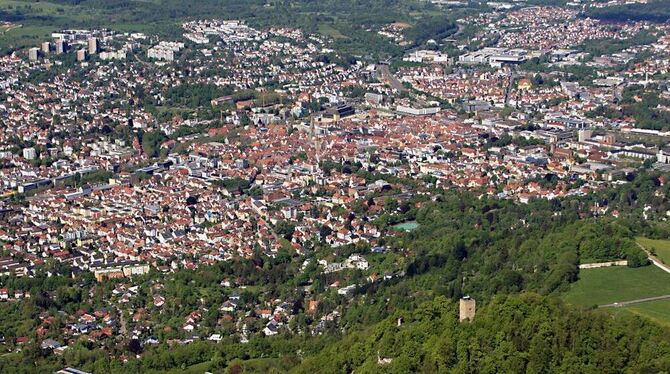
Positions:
(33, 54)
(61, 46)
(92, 46)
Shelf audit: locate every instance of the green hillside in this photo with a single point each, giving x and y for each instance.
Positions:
(660, 248)
(524, 333)
(616, 284)
(347, 22)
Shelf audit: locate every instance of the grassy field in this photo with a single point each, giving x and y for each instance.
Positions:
(660, 247)
(33, 22)
(616, 284)
(35, 8)
(329, 30)
(657, 311)
(21, 36)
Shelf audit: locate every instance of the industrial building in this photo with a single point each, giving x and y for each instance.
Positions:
(495, 56)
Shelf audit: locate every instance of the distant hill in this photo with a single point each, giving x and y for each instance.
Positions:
(351, 20)
(655, 11)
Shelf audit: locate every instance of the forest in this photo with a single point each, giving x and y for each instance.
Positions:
(640, 103)
(511, 334)
(653, 11)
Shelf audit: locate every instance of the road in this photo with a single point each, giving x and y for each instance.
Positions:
(137, 57)
(124, 329)
(631, 302)
(386, 76)
(655, 260)
(510, 83)
(618, 92)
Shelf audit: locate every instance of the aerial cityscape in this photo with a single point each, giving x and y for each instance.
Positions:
(340, 186)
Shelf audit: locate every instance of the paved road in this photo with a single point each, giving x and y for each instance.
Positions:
(638, 301)
(510, 83)
(655, 260)
(137, 57)
(124, 329)
(386, 76)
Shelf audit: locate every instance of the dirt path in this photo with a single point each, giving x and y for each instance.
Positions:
(631, 302)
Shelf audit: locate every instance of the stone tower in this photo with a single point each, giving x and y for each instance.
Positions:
(466, 309)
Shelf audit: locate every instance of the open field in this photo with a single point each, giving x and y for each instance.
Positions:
(657, 311)
(15, 7)
(34, 22)
(23, 36)
(616, 284)
(658, 246)
(329, 30)
(45, 12)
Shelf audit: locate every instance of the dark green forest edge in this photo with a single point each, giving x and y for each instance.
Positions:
(655, 11)
(515, 259)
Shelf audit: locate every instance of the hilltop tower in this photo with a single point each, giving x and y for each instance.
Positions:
(466, 309)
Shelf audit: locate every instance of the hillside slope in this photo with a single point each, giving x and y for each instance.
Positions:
(523, 333)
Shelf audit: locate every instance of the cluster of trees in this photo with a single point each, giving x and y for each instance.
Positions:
(240, 186)
(484, 247)
(653, 11)
(640, 103)
(583, 74)
(608, 241)
(195, 95)
(507, 139)
(151, 142)
(515, 334)
(436, 28)
(598, 47)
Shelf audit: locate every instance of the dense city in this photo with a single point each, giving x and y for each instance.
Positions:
(232, 183)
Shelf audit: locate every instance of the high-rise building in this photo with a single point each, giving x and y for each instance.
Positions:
(46, 47)
(584, 135)
(33, 54)
(81, 55)
(61, 46)
(92, 46)
(466, 309)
